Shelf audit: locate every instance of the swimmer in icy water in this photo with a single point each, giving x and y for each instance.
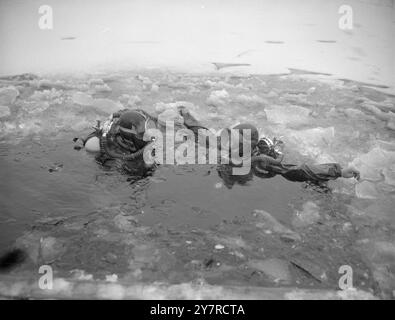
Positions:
(124, 137)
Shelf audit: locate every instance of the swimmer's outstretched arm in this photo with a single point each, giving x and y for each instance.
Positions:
(189, 120)
(304, 172)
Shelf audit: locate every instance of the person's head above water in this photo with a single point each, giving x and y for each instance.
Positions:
(240, 136)
(132, 124)
(131, 127)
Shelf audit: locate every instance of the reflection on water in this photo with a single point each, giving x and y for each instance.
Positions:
(51, 179)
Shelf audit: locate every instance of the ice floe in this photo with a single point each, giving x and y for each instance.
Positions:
(134, 101)
(154, 88)
(218, 98)
(366, 190)
(372, 163)
(292, 115)
(8, 95)
(276, 269)
(4, 111)
(308, 215)
(251, 100)
(267, 222)
(104, 105)
(102, 88)
(389, 175)
(95, 81)
(82, 99)
(170, 115)
(311, 142)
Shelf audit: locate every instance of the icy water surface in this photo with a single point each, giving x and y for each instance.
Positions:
(45, 177)
(184, 224)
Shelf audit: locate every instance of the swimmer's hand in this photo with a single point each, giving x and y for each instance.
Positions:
(351, 172)
(189, 119)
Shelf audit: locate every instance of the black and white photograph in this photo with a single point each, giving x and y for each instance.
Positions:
(207, 151)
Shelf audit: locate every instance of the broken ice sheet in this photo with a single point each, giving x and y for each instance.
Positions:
(308, 215)
(8, 95)
(267, 222)
(366, 190)
(321, 139)
(373, 162)
(276, 269)
(4, 111)
(291, 115)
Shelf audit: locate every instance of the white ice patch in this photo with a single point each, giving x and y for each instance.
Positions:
(371, 164)
(389, 174)
(81, 275)
(95, 81)
(134, 101)
(218, 98)
(112, 278)
(294, 115)
(102, 88)
(82, 99)
(311, 142)
(105, 105)
(172, 116)
(4, 111)
(169, 111)
(52, 96)
(366, 190)
(276, 269)
(309, 215)
(162, 106)
(8, 95)
(251, 101)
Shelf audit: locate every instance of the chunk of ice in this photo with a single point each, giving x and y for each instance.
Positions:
(389, 175)
(366, 190)
(276, 269)
(372, 163)
(96, 81)
(218, 98)
(288, 114)
(4, 111)
(311, 142)
(8, 95)
(102, 88)
(251, 100)
(171, 115)
(82, 99)
(309, 215)
(107, 105)
(134, 101)
(268, 222)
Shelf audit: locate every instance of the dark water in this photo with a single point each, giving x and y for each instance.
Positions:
(162, 227)
(196, 196)
(47, 178)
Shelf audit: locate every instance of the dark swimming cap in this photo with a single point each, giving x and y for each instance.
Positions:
(132, 125)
